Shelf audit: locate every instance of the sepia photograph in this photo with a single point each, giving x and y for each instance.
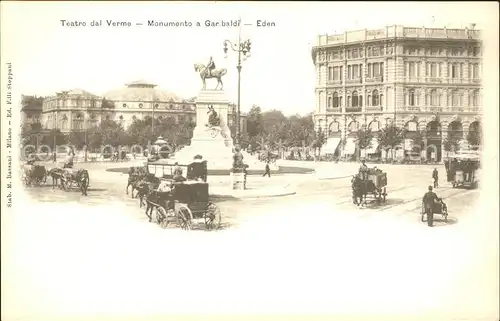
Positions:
(249, 160)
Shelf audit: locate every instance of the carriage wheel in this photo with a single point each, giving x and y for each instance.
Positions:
(161, 217)
(445, 214)
(185, 216)
(213, 133)
(212, 217)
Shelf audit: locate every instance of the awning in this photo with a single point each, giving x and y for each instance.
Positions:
(350, 146)
(373, 148)
(331, 145)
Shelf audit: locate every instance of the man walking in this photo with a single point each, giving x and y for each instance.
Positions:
(429, 200)
(268, 170)
(435, 176)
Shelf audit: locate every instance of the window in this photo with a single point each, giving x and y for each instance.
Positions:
(330, 73)
(375, 98)
(434, 71)
(353, 126)
(334, 127)
(434, 98)
(476, 51)
(370, 70)
(107, 117)
(455, 72)
(475, 72)
(412, 126)
(329, 102)
(335, 100)
(454, 98)
(355, 100)
(141, 105)
(349, 72)
(355, 53)
(121, 117)
(349, 101)
(336, 73)
(474, 99)
(412, 70)
(134, 118)
(411, 98)
(171, 106)
(124, 105)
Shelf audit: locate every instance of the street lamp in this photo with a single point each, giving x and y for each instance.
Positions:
(241, 48)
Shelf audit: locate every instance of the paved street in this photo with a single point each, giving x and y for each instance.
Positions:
(380, 259)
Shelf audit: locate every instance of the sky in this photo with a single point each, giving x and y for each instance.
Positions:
(280, 75)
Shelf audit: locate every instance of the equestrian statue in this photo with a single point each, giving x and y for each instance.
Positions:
(209, 71)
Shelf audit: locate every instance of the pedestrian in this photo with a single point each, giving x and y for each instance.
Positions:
(428, 201)
(435, 176)
(363, 170)
(54, 157)
(268, 170)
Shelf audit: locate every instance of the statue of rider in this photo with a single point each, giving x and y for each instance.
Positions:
(210, 67)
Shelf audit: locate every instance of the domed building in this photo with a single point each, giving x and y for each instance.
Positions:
(140, 99)
(78, 109)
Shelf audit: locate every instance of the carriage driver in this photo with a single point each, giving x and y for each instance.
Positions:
(69, 159)
(363, 170)
(210, 66)
(31, 159)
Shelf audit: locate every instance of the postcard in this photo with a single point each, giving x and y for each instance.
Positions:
(249, 160)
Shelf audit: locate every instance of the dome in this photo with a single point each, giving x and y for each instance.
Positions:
(141, 90)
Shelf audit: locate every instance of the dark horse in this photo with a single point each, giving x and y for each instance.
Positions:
(56, 174)
(360, 188)
(80, 177)
(135, 175)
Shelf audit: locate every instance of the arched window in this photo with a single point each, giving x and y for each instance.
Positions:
(107, 117)
(454, 98)
(374, 126)
(411, 98)
(375, 98)
(434, 98)
(349, 101)
(329, 102)
(333, 128)
(355, 100)
(335, 100)
(353, 126)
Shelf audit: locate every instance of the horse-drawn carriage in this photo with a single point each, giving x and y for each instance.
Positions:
(34, 174)
(463, 169)
(440, 208)
(183, 202)
(372, 183)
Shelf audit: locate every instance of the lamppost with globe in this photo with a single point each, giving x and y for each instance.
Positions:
(241, 48)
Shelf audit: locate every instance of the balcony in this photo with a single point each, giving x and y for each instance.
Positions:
(334, 82)
(353, 109)
(411, 108)
(333, 109)
(374, 79)
(374, 108)
(432, 109)
(353, 81)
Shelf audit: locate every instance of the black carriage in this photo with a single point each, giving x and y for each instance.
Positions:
(34, 174)
(463, 170)
(439, 207)
(186, 202)
(369, 187)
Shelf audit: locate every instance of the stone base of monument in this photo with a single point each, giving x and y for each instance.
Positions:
(238, 181)
(214, 143)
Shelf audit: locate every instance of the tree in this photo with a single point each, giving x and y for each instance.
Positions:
(451, 144)
(364, 137)
(319, 141)
(390, 137)
(78, 138)
(474, 139)
(254, 121)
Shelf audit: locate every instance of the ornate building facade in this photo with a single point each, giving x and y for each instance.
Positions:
(78, 109)
(31, 109)
(418, 78)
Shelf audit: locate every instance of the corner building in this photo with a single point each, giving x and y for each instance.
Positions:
(420, 78)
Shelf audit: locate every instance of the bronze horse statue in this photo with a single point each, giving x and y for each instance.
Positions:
(216, 73)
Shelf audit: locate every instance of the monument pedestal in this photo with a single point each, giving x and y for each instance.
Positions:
(214, 143)
(238, 181)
